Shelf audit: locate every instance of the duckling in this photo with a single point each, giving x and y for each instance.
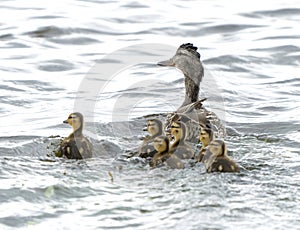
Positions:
(216, 159)
(206, 136)
(187, 59)
(163, 156)
(179, 146)
(154, 127)
(75, 146)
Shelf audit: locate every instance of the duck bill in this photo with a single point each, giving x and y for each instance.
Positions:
(145, 129)
(166, 63)
(65, 122)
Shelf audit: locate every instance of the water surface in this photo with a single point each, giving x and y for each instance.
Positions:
(251, 56)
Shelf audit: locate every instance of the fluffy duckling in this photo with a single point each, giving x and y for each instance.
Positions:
(75, 146)
(163, 156)
(216, 159)
(179, 146)
(155, 128)
(206, 136)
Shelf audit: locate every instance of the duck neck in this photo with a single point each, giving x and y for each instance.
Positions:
(77, 132)
(191, 91)
(164, 152)
(159, 133)
(178, 141)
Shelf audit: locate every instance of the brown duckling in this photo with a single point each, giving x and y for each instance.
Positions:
(179, 146)
(155, 129)
(206, 136)
(76, 145)
(163, 156)
(216, 159)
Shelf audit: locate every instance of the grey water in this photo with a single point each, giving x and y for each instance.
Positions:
(100, 57)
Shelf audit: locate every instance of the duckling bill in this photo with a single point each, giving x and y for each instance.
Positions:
(76, 145)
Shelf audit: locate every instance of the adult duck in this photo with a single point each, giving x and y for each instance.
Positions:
(187, 59)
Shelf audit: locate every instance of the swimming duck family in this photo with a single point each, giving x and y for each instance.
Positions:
(76, 145)
(191, 121)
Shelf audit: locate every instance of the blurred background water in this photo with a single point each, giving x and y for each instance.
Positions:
(251, 54)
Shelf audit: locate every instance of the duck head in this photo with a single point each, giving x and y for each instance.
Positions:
(76, 121)
(187, 59)
(178, 131)
(154, 127)
(161, 144)
(206, 135)
(217, 148)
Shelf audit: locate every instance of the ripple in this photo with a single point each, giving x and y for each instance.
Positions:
(6, 37)
(75, 41)
(278, 13)
(56, 66)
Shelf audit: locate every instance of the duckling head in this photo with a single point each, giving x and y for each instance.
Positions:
(187, 59)
(76, 121)
(217, 148)
(178, 131)
(206, 136)
(154, 127)
(161, 144)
